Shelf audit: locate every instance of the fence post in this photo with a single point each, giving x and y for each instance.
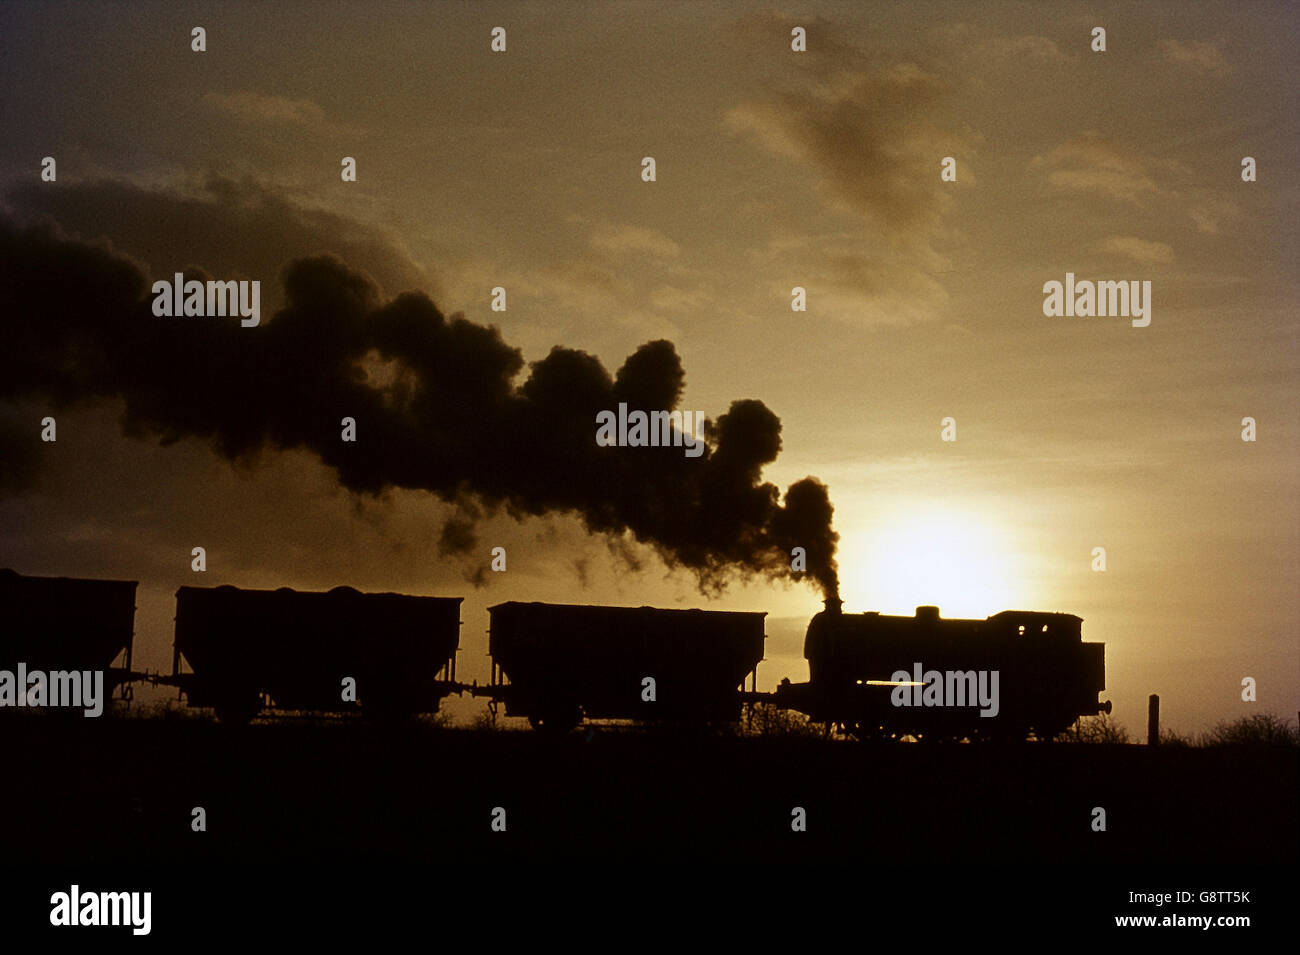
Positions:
(1153, 720)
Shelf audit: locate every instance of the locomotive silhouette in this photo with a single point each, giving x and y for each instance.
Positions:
(874, 676)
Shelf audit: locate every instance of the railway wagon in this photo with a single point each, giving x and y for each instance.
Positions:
(560, 663)
(294, 650)
(68, 623)
(1000, 677)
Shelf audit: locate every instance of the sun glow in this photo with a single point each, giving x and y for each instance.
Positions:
(964, 562)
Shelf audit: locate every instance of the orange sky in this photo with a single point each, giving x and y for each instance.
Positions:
(774, 169)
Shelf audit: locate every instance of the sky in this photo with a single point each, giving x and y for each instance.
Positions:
(774, 169)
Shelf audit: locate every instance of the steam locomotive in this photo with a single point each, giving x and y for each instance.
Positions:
(874, 676)
(880, 676)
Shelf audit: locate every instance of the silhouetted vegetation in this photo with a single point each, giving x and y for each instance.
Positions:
(1101, 728)
(171, 710)
(436, 721)
(1262, 729)
(764, 720)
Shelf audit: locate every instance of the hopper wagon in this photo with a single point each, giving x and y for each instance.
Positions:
(68, 623)
(239, 651)
(560, 663)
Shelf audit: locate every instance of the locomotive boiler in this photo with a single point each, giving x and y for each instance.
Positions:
(1002, 677)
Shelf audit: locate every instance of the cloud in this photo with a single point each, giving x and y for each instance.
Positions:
(976, 45)
(868, 136)
(670, 298)
(251, 107)
(1140, 250)
(625, 276)
(1023, 47)
(630, 239)
(768, 32)
(1207, 212)
(852, 278)
(600, 290)
(1167, 188)
(871, 132)
(1090, 163)
(1195, 55)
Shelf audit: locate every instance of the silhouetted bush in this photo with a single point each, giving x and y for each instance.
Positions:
(167, 710)
(1096, 729)
(1262, 729)
(436, 721)
(764, 720)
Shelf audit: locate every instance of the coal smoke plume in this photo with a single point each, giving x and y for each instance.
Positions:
(435, 399)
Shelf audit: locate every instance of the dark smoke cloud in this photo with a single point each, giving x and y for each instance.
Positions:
(19, 461)
(435, 400)
(233, 228)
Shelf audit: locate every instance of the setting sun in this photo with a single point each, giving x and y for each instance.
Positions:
(967, 564)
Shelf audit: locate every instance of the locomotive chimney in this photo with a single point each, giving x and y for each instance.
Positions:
(833, 604)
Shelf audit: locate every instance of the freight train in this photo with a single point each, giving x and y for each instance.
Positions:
(871, 675)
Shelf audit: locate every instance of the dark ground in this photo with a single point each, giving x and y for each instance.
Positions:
(341, 826)
(123, 790)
